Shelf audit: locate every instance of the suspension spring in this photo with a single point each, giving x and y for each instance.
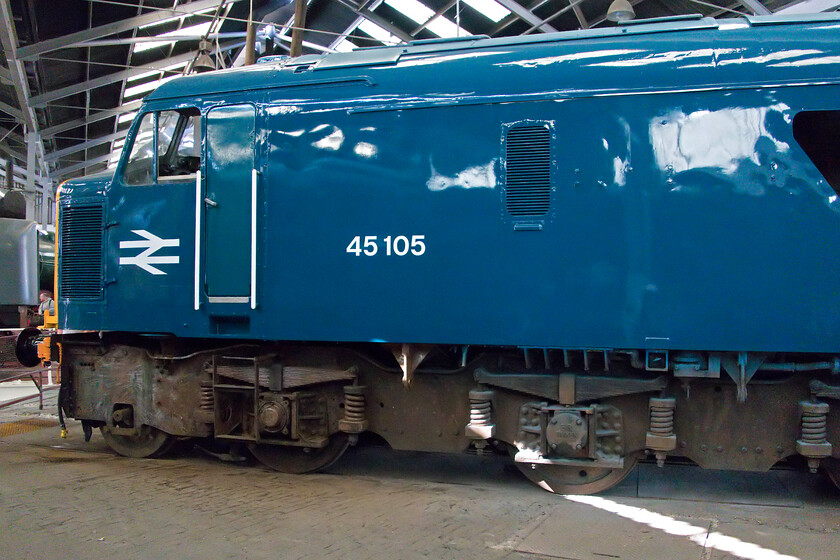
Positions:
(206, 398)
(662, 417)
(354, 403)
(481, 425)
(661, 437)
(355, 412)
(814, 420)
(813, 443)
(480, 408)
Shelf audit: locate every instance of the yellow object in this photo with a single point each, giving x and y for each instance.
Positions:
(44, 350)
(23, 426)
(63, 433)
(50, 320)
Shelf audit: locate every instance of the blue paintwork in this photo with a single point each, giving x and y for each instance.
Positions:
(685, 215)
(227, 240)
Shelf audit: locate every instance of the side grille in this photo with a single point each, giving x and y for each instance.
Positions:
(80, 264)
(528, 170)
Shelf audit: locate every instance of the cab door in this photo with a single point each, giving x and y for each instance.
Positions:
(229, 205)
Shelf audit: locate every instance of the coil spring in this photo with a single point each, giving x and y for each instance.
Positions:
(662, 417)
(814, 427)
(354, 403)
(480, 408)
(206, 398)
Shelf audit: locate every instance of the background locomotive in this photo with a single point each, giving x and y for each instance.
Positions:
(575, 247)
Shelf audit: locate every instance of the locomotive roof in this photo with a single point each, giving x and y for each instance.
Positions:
(266, 73)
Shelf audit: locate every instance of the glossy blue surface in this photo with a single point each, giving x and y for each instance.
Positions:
(684, 214)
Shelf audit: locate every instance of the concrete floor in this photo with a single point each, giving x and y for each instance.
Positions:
(65, 498)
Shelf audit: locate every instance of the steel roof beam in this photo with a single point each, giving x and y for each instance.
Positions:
(50, 96)
(13, 111)
(6, 75)
(579, 15)
(527, 15)
(18, 155)
(755, 7)
(53, 156)
(434, 16)
(64, 171)
(810, 7)
(344, 34)
(94, 117)
(32, 52)
(386, 25)
(9, 40)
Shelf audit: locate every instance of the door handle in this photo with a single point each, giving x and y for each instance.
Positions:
(209, 202)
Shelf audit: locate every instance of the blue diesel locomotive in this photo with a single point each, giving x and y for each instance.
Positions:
(576, 248)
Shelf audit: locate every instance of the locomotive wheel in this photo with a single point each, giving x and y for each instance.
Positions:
(299, 460)
(832, 469)
(150, 442)
(576, 480)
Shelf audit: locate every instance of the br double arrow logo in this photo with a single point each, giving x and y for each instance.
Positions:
(152, 244)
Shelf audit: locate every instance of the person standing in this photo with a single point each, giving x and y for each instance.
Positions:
(47, 303)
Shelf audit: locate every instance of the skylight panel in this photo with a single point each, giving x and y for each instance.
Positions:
(176, 18)
(144, 88)
(170, 68)
(126, 117)
(345, 46)
(420, 14)
(142, 76)
(378, 33)
(491, 9)
(192, 31)
(442, 27)
(412, 9)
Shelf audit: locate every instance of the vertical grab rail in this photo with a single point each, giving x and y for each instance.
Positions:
(254, 175)
(198, 201)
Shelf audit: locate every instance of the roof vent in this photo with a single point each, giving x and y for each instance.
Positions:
(528, 170)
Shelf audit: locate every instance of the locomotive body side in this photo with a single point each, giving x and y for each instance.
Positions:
(634, 207)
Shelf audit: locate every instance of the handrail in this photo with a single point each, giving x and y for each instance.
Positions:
(31, 374)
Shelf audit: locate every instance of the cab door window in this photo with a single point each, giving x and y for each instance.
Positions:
(179, 144)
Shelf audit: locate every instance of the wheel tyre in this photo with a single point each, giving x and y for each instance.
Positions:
(832, 469)
(577, 480)
(297, 460)
(149, 443)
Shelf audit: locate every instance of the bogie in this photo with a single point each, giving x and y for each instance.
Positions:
(298, 407)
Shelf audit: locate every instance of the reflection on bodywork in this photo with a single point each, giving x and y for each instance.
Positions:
(766, 58)
(479, 176)
(816, 61)
(711, 139)
(332, 141)
(545, 61)
(657, 58)
(426, 61)
(365, 150)
(283, 110)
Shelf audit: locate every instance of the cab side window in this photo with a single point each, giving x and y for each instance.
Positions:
(167, 147)
(140, 167)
